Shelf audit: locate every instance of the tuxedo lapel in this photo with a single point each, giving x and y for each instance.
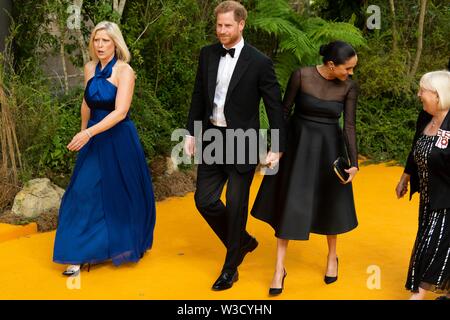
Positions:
(241, 66)
(213, 67)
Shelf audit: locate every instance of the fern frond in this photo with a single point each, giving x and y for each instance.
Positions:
(321, 31)
(278, 8)
(285, 64)
(291, 38)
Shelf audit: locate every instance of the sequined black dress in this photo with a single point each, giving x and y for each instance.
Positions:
(429, 267)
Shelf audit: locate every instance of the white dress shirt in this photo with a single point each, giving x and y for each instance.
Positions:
(224, 74)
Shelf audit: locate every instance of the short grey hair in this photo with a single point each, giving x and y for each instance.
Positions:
(439, 82)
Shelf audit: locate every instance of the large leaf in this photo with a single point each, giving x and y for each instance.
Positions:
(321, 31)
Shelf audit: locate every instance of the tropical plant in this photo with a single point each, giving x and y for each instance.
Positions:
(297, 38)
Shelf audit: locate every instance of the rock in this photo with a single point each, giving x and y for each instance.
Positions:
(38, 196)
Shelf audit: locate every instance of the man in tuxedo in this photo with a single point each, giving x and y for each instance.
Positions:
(232, 77)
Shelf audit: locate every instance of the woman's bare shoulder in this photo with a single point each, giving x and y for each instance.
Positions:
(124, 68)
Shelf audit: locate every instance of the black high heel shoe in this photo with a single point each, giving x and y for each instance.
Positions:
(329, 280)
(73, 273)
(277, 291)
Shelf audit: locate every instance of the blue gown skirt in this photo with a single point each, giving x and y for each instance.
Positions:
(108, 209)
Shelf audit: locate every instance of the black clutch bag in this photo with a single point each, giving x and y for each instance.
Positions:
(339, 166)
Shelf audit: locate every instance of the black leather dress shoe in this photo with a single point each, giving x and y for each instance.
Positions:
(248, 247)
(225, 280)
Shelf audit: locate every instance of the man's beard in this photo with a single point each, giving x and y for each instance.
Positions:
(229, 39)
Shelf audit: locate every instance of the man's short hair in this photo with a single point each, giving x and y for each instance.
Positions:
(240, 13)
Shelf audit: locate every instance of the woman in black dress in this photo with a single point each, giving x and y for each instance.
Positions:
(306, 196)
(428, 171)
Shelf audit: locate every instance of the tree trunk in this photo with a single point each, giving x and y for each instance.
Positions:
(394, 27)
(61, 34)
(118, 6)
(79, 35)
(62, 53)
(412, 73)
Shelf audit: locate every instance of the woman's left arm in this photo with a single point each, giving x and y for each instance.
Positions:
(124, 97)
(350, 129)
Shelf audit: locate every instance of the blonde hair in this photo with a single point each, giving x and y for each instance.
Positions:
(113, 31)
(240, 13)
(439, 82)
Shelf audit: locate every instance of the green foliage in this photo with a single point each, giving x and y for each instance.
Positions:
(30, 46)
(98, 11)
(165, 38)
(342, 10)
(321, 31)
(297, 37)
(152, 121)
(385, 127)
(388, 104)
(46, 126)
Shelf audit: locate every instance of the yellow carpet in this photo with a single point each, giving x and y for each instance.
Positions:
(9, 232)
(186, 257)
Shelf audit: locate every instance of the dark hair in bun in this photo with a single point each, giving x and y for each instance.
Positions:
(337, 51)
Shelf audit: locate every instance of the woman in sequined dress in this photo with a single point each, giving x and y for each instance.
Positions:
(428, 172)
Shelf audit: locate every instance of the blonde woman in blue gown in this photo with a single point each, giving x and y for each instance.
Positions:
(108, 210)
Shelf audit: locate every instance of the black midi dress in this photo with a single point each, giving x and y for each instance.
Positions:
(305, 196)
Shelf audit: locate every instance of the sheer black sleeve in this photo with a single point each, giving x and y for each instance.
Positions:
(350, 124)
(291, 92)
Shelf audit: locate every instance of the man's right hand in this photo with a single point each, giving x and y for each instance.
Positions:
(189, 146)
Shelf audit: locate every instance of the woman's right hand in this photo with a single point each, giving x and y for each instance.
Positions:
(402, 186)
(79, 140)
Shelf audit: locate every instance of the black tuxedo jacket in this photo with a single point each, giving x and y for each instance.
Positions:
(438, 166)
(253, 78)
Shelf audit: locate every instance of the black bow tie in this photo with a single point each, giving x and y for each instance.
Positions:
(230, 51)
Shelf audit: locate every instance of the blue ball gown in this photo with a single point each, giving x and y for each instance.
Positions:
(108, 209)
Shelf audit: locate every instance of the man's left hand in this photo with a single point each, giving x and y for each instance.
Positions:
(273, 158)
